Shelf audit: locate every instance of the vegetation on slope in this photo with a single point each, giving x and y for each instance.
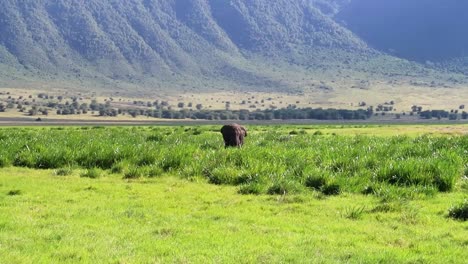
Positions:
(151, 43)
(207, 45)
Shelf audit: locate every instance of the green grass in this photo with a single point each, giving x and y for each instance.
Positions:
(72, 219)
(163, 194)
(272, 161)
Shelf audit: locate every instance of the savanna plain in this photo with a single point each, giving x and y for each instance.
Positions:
(291, 194)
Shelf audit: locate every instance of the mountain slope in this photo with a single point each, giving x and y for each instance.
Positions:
(208, 45)
(161, 42)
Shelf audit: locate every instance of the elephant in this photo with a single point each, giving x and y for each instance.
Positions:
(233, 135)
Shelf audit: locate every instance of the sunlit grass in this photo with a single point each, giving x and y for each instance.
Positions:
(69, 219)
(165, 194)
(273, 160)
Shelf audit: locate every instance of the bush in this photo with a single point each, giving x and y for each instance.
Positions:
(315, 182)
(331, 189)
(459, 212)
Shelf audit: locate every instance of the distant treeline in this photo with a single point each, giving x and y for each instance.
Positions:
(270, 114)
(439, 114)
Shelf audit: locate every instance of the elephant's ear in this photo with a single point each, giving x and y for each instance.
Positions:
(245, 131)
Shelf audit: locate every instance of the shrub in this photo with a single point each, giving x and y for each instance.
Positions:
(331, 189)
(315, 182)
(459, 212)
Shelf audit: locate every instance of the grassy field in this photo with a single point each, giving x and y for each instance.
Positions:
(301, 194)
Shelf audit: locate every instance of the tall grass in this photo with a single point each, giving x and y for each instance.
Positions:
(272, 161)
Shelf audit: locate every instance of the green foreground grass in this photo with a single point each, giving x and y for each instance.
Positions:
(69, 219)
(314, 194)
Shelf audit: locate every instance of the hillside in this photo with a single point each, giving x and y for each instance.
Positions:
(295, 48)
(152, 43)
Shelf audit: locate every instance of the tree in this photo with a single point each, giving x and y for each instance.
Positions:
(464, 115)
(33, 111)
(453, 116)
(94, 105)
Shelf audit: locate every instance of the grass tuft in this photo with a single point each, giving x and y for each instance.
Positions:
(283, 187)
(316, 182)
(14, 192)
(135, 173)
(459, 212)
(331, 189)
(354, 213)
(92, 173)
(251, 188)
(63, 171)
